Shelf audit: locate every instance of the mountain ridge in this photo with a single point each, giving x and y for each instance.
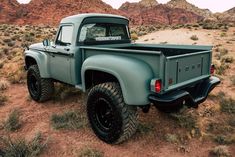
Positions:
(144, 12)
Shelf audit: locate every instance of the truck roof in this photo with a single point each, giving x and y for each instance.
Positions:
(80, 17)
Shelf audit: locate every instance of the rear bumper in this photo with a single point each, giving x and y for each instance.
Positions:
(193, 96)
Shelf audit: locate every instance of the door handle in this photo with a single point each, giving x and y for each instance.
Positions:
(66, 49)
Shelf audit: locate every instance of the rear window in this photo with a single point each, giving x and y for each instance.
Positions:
(103, 32)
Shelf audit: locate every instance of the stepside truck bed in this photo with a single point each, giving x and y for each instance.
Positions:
(176, 65)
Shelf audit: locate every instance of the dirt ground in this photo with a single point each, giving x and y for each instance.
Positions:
(36, 117)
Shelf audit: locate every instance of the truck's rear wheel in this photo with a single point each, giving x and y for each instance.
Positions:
(39, 89)
(111, 119)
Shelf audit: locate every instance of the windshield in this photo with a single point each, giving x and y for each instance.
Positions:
(103, 32)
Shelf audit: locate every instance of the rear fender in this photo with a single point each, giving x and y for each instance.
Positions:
(134, 75)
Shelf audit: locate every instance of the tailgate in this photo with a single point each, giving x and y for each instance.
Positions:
(181, 70)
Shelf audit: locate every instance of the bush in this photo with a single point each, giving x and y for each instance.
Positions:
(194, 37)
(172, 138)
(223, 34)
(227, 59)
(22, 148)
(185, 120)
(134, 36)
(90, 152)
(220, 151)
(1, 64)
(3, 99)
(227, 105)
(12, 123)
(68, 120)
(221, 139)
(220, 70)
(145, 128)
(3, 85)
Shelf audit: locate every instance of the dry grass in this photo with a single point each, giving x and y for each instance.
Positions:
(220, 151)
(134, 36)
(11, 44)
(12, 123)
(90, 152)
(227, 59)
(172, 138)
(21, 147)
(145, 128)
(4, 85)
(3, 99)
(68, 120)
(194, 37)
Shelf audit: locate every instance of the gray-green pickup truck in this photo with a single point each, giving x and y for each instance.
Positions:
(94, 53)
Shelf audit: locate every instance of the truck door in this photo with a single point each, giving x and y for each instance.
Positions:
(60, 55)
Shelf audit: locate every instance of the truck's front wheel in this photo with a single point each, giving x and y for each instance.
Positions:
(111, 119)
(39, 89)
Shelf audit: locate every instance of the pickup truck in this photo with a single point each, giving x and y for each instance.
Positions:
(94, 53)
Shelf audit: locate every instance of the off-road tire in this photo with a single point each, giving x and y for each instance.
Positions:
(44, 88)
(123, 122)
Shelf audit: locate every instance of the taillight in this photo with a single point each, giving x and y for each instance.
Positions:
(158, 86)
(212, 69)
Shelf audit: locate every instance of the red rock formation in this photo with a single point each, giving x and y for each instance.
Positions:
(8, 10)
(140, 14)
(49, 12)
(227, 16)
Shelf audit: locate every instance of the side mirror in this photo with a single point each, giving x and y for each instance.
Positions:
(46, 42)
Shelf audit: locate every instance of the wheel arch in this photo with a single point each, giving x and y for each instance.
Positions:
(135, 84)
(40, 59)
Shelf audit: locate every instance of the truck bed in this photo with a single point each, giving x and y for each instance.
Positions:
(176, 65)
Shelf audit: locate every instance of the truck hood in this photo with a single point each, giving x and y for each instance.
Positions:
(38, 46)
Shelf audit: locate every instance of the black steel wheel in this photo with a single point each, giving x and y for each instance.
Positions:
(111, 119)
(39, 89)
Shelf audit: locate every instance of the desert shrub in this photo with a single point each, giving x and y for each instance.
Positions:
(221, 139)
(172, 138)
(209, 26)
(3, 99)
(11, 44)
(90, 152)
(28, 37)
(141, 33)
(227, 59)
(68, 120)
(223, 34)
(231, 121)
(219, 128)
(18, 76)
(227, 105)
(64, 91)
(22, 148)
(194, 37)
(221, 53)
(220, 70)
(220, 151)
(12, 123)
(134, 36)
(7, 40)
(145, 128)
(1, 63)
(185, 120)
(5, 51)
(3, 85)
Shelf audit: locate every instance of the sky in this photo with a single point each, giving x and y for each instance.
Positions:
(213, 5)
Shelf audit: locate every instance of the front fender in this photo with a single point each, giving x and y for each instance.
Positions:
(42, 61)
(134, 75)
